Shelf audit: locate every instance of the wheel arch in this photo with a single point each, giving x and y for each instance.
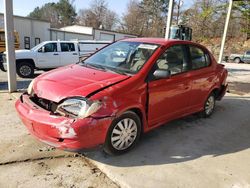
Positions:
(139, 112)
(216, 92)
(18, 61)
(237, 57)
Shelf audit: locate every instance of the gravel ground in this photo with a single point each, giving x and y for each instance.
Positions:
(26, 162)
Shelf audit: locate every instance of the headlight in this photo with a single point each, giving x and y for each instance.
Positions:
(30, 88)
(78, 108)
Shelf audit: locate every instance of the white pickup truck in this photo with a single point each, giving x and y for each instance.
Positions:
(53, 54)
(238, 58)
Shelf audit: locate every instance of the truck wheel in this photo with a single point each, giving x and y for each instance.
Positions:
(237, 60)
(25, 70)
(123, 134)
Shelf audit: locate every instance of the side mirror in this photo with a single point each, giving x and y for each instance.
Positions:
(159, 74)
(43, 49)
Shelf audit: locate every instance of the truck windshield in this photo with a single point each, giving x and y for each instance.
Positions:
(37, 47)
(122, 57)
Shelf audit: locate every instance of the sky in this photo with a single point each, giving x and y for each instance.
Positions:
(24, 7)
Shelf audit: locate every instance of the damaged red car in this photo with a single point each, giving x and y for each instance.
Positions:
(121, 92)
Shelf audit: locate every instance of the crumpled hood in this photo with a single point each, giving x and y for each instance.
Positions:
(73, 80)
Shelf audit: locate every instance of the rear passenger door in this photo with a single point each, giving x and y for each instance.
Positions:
(202, 76)
(69, 53)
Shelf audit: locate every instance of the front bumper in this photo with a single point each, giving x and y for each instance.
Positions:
(3, 64)
(62, 132)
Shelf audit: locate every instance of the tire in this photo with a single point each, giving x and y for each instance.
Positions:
(209, 106)
(237, 60)
(25, 70)
(119, 141)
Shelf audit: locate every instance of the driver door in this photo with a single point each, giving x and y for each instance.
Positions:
(168, 97)
(48, 56)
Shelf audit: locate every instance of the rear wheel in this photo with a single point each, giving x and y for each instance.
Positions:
(123, 134)
(209, 106)
(237, 60)
(25, 70)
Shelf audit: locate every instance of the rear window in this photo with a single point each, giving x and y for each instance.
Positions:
(199, 58)
(67, 47)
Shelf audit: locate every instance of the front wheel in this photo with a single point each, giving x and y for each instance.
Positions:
(123, 134)
(25, 70)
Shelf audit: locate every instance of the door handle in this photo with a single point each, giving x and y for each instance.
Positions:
(55, 54)
(75, 54)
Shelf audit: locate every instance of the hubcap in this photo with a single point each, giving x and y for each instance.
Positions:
(25, 70)
(209, 107)
(124, 134)
(237, 60)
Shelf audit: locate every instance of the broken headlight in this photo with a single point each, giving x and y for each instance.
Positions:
(30, 88)
(78, 108)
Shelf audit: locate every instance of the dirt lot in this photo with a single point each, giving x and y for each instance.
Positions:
(190, 152)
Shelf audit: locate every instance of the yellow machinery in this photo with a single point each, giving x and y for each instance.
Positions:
(2, 41)
(2, 45)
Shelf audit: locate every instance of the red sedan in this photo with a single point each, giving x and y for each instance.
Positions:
(120, 92)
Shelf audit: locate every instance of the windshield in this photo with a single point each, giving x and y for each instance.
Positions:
(37, 47)
(122, 57)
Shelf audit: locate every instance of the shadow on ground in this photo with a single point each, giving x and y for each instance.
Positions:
(21, 85)
(226, 132)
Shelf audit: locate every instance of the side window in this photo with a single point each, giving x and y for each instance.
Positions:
(50, 47)
(67, 47)
(199, 58)
(173, 59)
(248, 53)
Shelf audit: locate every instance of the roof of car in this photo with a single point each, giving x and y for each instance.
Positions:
(161, 41)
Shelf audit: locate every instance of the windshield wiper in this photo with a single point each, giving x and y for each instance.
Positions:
(95, 66)
(105, 68)
(112, 69)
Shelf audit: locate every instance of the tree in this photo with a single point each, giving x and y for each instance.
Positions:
(133, 20)
(98, 16)
(145, 18)
(207, 19)
(244, 8)
(58, 14)
(66, 12)
(155, 13)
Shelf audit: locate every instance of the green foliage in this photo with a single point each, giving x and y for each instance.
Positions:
(244, 8)
(66, 12)
(155, 17)
(59, 14)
